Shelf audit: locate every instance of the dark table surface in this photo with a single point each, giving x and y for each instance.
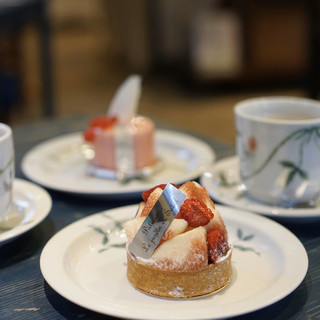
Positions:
(24, 294)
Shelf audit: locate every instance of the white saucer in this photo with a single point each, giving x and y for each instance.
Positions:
(60, 164)
(222, 181)
(31, 204)
(90, 268)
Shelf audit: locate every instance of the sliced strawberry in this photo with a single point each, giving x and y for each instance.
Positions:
(195, 212)
(89, 135)
(113, 121)
(146, 194)
(217, 245)
(103, 122)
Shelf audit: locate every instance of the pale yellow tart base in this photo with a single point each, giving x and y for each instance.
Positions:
(179, 284)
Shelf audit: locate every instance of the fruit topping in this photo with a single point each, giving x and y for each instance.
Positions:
(176, 227)
(186, 251)
(217, 245)
(146, 194)
(103, 122)
(195, 212)
(89, 135)
(152, 199)
(100, 122)
(193, 190)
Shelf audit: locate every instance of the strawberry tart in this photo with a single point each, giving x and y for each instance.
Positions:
(193, 257)
(115, 143)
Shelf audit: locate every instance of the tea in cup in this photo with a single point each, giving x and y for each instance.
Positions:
(278, 146)
(6, 170)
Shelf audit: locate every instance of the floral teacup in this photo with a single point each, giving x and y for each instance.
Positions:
(278, 145)
(6, 170)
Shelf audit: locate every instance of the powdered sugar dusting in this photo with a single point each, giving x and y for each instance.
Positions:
(177, 292)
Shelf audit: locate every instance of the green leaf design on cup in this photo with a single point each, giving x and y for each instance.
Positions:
(303, 136)
(10, 162)
(294, 170)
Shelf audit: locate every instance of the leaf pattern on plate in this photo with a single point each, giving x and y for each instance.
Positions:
(242, 237)
(116, 230)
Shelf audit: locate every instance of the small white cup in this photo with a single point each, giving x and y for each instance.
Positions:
(6, 170)
(278, 145)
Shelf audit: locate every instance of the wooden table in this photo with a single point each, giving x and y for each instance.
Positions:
(24, 294)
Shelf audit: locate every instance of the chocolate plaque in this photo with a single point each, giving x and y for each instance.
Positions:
(157, 222)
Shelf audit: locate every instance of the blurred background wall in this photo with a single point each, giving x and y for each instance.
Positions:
(183, 48)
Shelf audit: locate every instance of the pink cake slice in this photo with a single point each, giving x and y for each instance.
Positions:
(104, 132)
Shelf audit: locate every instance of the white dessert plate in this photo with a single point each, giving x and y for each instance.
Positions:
(222, 180)
(60, 164)
(89, 260)
(31, 204)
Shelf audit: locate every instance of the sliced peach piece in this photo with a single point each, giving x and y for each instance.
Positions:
(186, 251)
(132, 226)
(152, 199)
(194, 190)
(140, 209)
(177, 226)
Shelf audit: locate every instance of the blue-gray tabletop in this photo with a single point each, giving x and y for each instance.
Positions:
(24, 293)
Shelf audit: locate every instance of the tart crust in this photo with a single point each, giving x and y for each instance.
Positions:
(179, 284)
